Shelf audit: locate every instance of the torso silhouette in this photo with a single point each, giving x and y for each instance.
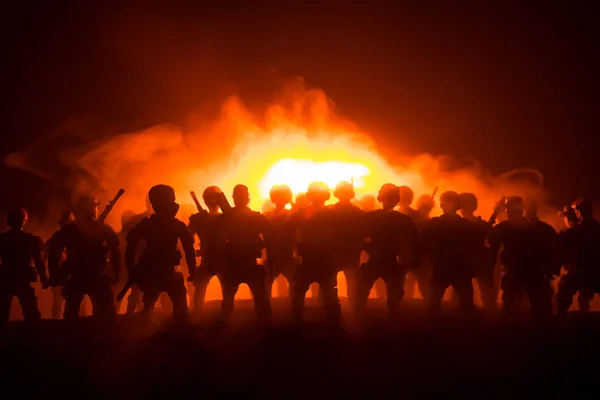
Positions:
(389, 233)
(161, 236)
(86, 246)
(17, 250)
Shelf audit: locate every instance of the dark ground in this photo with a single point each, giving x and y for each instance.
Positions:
(412, 358)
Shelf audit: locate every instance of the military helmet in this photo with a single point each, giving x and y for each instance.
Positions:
(318, 192)
(389, 192)
(343, 190)
(161, 194)
(241, 191)
(17, 218)
(210, 192)
(515, 201)
(406, 195)
(87, 201)
(281, 194)
(468, 201)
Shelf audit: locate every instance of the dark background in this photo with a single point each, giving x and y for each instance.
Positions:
(510, 85)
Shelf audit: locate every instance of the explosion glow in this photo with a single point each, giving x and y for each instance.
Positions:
(298, 174)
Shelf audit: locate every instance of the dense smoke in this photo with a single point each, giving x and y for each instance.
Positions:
(239, 146)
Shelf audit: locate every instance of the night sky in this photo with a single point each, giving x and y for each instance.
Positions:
(510, 86)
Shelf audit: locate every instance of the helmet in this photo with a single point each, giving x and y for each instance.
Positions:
(406, 195)
(240, 191)
(389, 193)
(87, 205)
(514, 202)
(344, 191)
(450, 200)
(468, 201)
(161, 194)
(210, 195)
(17, 218)
(281, 194)
(301, 201)
(368, 202)
(318, 192)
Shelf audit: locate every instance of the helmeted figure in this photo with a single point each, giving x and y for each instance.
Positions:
(243, 228)
(315, 226)
(57, 297)
(18, 250)
(484, 265)
(421, 274)
(582, 242)
(449, 239)
(527, 259)
(134, 300)
(88, 244)
(279, 261)
(302, 202)
(154, 272)
(208, 225)
(350, 238)
(391, 243)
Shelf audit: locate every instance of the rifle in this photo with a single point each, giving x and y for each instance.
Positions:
(198, 206)
(110, 205)
(130, 282)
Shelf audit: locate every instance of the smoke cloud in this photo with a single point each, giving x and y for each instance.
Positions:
(239, 146)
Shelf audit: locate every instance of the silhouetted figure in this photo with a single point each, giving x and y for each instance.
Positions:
(302, 202)
(316, 228)
(449, 238)
(134, 300)
(208, 225)
(154, 272)
(582, 242)
(526, 257)
(57, 297)
(350, 238)
(17, 251)
(421, 274)
(368, 203)
(484, 265)
(391, 240)
(88, 243)
(243, 229)
(279, 260)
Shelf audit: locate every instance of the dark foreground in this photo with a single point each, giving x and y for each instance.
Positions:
(412, 358)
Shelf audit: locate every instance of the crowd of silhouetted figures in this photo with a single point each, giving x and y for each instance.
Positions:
(307, 242)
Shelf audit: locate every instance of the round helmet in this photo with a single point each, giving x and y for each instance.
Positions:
(514, 202)
(318, 192)
(17, 218)
(281, 194)
(344, 190)
(301, 201)
(450, 200)
(406, 195)
(368, 202)
(240, 191)
(87, 205)
(468, 202)
(210, 195)
(161, 194)
(389, 193)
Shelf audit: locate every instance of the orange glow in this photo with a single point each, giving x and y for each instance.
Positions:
(296, 160)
